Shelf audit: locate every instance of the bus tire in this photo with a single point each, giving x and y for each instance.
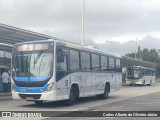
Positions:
(106, 92)
(72, 97)
(143, 82)
(150, 83)
(38, 102)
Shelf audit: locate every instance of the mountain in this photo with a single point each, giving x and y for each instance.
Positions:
(119, 48)
(150, 42)
(127, 47)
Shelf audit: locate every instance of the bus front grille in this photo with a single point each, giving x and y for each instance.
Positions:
(31, 84)
(35, 96)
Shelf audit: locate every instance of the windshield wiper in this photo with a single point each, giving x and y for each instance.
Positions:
(38, 57)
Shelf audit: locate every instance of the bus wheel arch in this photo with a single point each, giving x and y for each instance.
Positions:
(150, 83)
(106, 91)
(73, 95)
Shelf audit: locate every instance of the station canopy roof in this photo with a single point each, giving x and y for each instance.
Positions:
(10, 35)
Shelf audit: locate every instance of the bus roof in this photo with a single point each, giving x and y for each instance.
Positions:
(73, 45)
(141, 67)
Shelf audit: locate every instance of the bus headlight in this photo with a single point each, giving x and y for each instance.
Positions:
(50, 86)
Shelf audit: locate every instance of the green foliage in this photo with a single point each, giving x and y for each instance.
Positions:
(151, 55)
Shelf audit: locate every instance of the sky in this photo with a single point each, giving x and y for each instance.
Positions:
(105, 20)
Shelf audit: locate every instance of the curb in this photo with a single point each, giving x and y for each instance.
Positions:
(5, 94)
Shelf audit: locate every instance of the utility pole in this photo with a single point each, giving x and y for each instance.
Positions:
(136, 50)
(83, 16)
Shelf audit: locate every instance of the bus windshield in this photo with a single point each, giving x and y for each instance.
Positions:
(35, 65)
(134, 73)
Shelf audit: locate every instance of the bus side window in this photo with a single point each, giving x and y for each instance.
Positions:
(111, 64)
(85, 61)
(104, 63)
(118, 65)
(95, 62)
(142, 72)
(61, 66)
(74, 60)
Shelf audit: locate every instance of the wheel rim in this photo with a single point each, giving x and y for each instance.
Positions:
(72, 96)
(106, 91)
(106, 94)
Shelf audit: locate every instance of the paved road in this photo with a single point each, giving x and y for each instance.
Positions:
(150, 102)
(84, 104)
(116, 101)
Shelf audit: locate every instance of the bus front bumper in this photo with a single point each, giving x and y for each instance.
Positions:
(44, 96)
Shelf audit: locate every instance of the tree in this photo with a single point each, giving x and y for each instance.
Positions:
(148, 55)
(139, 53)
(131, 55)
(145, 55)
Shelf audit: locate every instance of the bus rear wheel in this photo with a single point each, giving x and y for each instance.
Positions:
(72, 98)
(143, 82)
(106, 92)
(150, 83)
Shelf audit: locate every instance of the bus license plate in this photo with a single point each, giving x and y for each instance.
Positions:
(29, 98)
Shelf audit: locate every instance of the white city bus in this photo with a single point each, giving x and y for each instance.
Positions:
(53, 70)
(140, 75)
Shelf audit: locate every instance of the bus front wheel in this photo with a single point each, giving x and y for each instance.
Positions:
(72, 97)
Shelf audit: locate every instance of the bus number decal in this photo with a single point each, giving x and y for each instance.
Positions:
(66, 82)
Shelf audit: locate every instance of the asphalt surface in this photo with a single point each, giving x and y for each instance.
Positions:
(7, 104)
(129, 98)
(150, 102)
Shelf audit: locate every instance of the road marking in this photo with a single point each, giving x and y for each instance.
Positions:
(96, 118)
(111, 107)
(120, 106)
(94, 110)
(148, 103)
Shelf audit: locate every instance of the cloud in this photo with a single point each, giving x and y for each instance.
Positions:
(104, 19)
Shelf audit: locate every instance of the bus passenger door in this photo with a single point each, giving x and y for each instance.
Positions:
(62, 77)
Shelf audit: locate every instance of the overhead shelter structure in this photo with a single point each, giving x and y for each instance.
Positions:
(128, 61)
(10, 35)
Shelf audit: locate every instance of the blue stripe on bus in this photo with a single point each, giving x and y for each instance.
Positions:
(30, 89)
(31, 79)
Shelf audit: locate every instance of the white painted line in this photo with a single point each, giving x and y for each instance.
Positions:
(148, 103)
(97, 118)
